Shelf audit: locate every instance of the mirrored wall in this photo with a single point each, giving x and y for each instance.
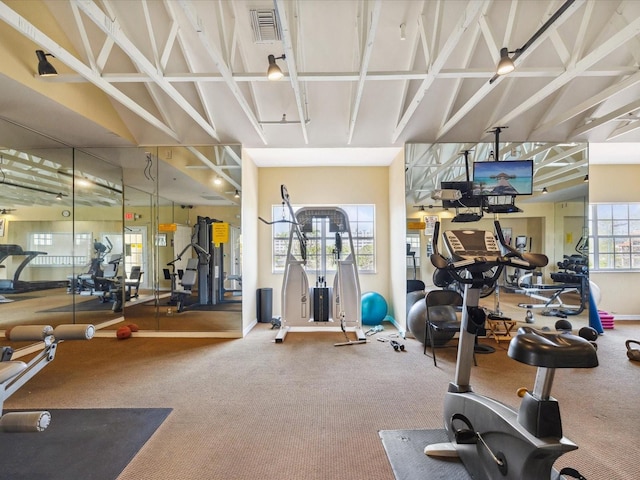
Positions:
(61, 214)
(105, 235)
(548, 217)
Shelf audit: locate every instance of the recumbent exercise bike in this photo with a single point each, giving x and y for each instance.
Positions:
(492, 440)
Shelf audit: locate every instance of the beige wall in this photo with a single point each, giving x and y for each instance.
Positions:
(325, 186)
(397, 240)
(250, 241)
(610, 184)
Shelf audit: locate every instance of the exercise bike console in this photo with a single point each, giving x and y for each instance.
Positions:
(492, 440)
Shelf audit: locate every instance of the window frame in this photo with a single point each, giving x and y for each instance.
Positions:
(613, 245)
(280, 231)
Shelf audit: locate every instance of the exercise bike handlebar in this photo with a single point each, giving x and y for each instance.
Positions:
(535, 260)
(484, 263)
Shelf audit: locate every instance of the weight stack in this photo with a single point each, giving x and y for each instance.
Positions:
(321, 304)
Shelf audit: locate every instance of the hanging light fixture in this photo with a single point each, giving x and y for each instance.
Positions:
(45, 69)
(274, 72)
(586, 178)
(237, 195)
(505, 65)
(545, 191)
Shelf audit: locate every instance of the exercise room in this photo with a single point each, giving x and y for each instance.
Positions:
(319, 240)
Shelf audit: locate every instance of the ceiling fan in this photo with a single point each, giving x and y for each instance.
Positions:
(4, 211)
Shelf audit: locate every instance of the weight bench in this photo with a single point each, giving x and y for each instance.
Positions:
(15, 373)
(187, 282)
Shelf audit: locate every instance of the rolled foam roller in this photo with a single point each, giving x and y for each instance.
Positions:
(74, 332)
(25, 421)
(21, 333)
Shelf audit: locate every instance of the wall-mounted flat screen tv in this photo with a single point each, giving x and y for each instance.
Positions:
(507, 177)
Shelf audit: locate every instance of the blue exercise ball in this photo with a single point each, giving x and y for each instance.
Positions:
(374, 308)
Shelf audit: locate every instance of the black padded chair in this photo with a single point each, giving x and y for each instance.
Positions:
(415, 286)
(132, 284)
(442, 319)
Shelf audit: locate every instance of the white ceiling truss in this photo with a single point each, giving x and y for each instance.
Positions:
(357, 73)
(556, 166)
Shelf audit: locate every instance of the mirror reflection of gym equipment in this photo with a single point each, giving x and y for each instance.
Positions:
(319, 307)
(202, 273)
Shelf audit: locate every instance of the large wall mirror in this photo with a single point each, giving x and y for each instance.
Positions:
(182, 231)
(549, 216)
(61, 220)
(105, 235)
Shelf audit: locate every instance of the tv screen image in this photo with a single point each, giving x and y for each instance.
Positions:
(508, 177)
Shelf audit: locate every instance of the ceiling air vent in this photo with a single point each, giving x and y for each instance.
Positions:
(212, 198)
(265, 26)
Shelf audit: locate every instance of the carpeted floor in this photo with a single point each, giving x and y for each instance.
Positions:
(81, 443)
(248, 409)
(5, 298)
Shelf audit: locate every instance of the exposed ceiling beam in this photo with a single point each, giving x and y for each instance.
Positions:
(364, 66)
(600, 52)
(625, 109)
(113, 30)
(290, 58)
(488, 87)
(480, 27)
(188, 58)
(30, 31)
(308, 77)
(620, 131)
(587, 104)
(222, 67)
(203, 158)
(470, 14)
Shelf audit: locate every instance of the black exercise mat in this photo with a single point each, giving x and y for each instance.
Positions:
(92, 444)
(405, 450)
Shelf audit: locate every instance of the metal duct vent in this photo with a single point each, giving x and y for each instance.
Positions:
(264, 24)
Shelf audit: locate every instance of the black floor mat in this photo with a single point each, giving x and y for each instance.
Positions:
(405, 450)
(84, 444)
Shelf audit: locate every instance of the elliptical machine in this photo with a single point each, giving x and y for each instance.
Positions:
(492, 440)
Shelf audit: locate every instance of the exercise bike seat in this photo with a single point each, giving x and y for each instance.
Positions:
(10, 369)
(552, 350)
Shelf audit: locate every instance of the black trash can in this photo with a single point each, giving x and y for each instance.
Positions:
(264, 303)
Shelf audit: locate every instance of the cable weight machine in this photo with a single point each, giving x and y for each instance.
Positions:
(321, 307)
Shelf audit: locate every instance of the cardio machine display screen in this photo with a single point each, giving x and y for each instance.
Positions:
(509, 177)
